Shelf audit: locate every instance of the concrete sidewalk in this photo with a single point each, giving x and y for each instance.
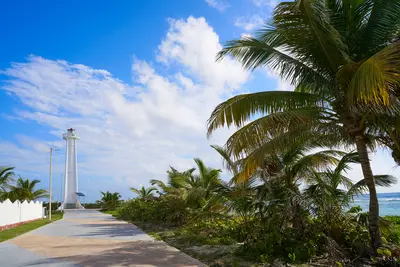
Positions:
(90, 238)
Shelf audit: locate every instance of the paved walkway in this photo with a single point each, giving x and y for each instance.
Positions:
(90, 238)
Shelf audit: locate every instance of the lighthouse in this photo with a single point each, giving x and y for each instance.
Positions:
(71, 199)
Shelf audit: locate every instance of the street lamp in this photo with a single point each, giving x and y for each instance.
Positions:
(61, 185)
(51, 180)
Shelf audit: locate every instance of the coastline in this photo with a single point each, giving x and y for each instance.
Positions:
(389, 203)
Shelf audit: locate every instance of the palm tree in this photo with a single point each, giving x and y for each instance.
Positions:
(196, 189)
(324, 187)
(345, 65)
(285, 171)
(388, 133)
(173, 175)
(110, 201)
(143, 192)
(24, 190)
(6, 176)
(228, 162)
(200, 188)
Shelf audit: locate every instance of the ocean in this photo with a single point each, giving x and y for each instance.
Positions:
(389, 203)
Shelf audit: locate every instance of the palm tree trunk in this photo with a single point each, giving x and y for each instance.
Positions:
(374, 230)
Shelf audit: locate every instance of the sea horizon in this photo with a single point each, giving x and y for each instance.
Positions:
(389, 203)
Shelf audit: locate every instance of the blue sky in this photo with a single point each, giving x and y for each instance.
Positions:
(137, 79)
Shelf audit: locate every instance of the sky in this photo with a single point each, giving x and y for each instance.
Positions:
(136, 79)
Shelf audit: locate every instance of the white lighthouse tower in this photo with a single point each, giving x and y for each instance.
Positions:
(71, 199)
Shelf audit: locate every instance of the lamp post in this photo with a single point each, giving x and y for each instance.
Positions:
(61, 185)
(51, 180)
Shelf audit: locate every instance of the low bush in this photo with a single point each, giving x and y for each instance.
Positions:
(91, 205)
(169, 210)
(288, 244)
(54, 205)
(393, 233)
(210, 232)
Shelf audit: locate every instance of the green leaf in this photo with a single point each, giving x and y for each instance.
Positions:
(237, 110)
(377, 78)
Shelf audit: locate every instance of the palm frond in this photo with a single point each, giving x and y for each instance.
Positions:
(376, 79)
(380, 180)
(254, 53)
(159, 183)
(382, 25)
(343, 165)
(239, 109)
(317, 161)
(135, 190)
(41, 193)
(7, 172)
(228, 163)
(308, 33)
(256, 132)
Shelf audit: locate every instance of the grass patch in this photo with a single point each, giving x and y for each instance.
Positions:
(155, 235)
(111, 212)
(19, 230)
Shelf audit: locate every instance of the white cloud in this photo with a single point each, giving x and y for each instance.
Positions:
(270, 3)
(129, 133)
(218, 4)
(250, 23)
(245, 35)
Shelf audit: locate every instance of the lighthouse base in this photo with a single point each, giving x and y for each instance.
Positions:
(71, 206)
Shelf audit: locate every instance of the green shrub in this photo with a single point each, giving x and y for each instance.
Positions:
(91, 205)
(139, 210)
(289, 244)
(210, 232)
(54, 205)
(169, 210)
(393, 219)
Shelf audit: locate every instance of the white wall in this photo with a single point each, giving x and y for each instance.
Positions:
(11, 213)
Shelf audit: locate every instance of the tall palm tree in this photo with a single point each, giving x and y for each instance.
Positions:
(110, 201)
(143, 192)
(345, 65)
(24, 189)
(6, 177)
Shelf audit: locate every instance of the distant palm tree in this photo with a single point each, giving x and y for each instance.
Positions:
(196, 189)
(173, 176)
(200, 188)
(6, 176)
(144, 192)
(24, 190)
(110, 201)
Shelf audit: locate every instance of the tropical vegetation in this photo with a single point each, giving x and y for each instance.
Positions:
(143, 192)
(18, 189)
(109, 201)
(289, 195)
(295, 208)
(342, 57)
(6, 177)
